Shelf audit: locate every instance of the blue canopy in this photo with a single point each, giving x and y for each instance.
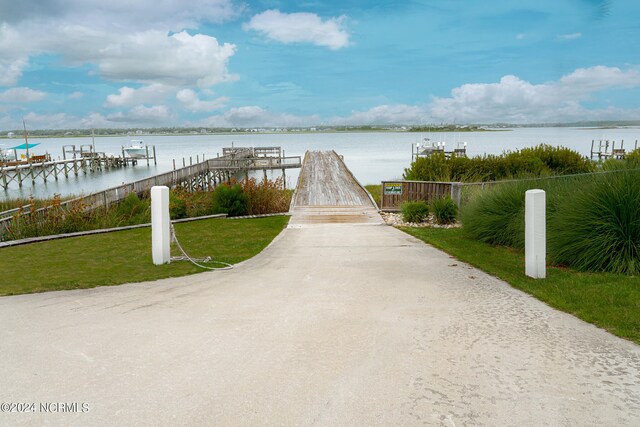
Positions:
(24, 146)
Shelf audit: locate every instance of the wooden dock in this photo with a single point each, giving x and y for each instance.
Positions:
(83, 160)
(200, 176)
(327, 192)
(604, 149)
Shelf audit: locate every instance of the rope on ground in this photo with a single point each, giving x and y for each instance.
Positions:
(195, 261)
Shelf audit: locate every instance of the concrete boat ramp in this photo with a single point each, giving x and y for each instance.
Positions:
(337, 323)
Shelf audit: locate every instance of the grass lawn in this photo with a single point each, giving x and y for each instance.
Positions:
(376, 192)
(125, 256)
(609, 301)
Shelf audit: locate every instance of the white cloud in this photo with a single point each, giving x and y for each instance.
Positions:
(123, 54)
(75, 95)
(123, 14)
(571, 36)
(11, 70)
(593, 79)
(157, 115)
(179, 59)
(253, 116)
(49, 121)
(513, 100)
(21, 95)
(301, 28)
(128, 96)
(190, 101)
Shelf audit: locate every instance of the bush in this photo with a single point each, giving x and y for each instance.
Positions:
(131, 210)
(267, 196)
(597, 225)
(541, 160)
(632, 159)
(444, 210)
(230, 200)
(177, 206)
(414, 211)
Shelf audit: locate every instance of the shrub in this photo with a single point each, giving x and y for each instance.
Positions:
(131, 210)
(230, 200)
(444, 210)
(597, 225)
(432, 168)
(537, 161)
(414, 211)
(633, 158)
(267, 196)
(177, 206)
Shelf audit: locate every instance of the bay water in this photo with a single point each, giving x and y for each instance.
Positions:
(371, 156)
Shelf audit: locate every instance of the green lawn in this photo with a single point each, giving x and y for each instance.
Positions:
(125, 256)
(609, 301)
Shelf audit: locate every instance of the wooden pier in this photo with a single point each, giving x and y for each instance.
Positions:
(427, 148)
(84, 160)
(606, 149)
(328, 193)
(200, 176)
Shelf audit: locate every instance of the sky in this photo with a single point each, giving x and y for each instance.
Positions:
(271, 63)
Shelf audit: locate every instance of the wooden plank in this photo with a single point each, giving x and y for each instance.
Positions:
(325, 181)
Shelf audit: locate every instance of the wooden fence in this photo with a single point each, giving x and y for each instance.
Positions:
(395, 193)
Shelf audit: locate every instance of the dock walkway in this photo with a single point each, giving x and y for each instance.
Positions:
(327, 192)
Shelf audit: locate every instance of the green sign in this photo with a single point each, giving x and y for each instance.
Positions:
(393, 189)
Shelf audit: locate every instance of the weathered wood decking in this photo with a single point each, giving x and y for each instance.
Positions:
(328, 193)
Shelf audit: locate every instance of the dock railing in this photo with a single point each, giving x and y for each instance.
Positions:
(178, 177)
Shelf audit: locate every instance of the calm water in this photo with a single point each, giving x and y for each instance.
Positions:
(372, 157)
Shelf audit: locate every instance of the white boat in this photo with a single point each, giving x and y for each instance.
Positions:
(7, 155)
(137, 149)
(428, 147)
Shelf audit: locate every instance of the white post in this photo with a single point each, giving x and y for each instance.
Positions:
(535, 236)
(160, 233)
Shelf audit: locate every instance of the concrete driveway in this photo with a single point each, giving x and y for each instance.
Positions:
(341, 321)
(333, 324)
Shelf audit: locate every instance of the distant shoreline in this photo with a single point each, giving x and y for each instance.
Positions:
(265, 132)
(130, 133)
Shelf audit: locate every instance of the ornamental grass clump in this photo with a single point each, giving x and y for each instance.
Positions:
(496, 215)
(597, 225)
(414, 211)
(444, 210)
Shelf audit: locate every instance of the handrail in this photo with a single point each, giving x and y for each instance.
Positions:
(112, 195)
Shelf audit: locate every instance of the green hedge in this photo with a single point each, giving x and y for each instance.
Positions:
(542, 160)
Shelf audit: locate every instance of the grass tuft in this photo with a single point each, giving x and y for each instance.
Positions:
(414, 211)
(597, 227)
(444, 210)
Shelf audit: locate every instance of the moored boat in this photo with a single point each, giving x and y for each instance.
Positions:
(137, 149)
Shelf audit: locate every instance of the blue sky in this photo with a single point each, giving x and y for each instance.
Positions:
(147, 63)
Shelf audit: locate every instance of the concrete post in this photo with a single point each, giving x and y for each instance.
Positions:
(160, 232)
(535, 234)
(456, 190)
